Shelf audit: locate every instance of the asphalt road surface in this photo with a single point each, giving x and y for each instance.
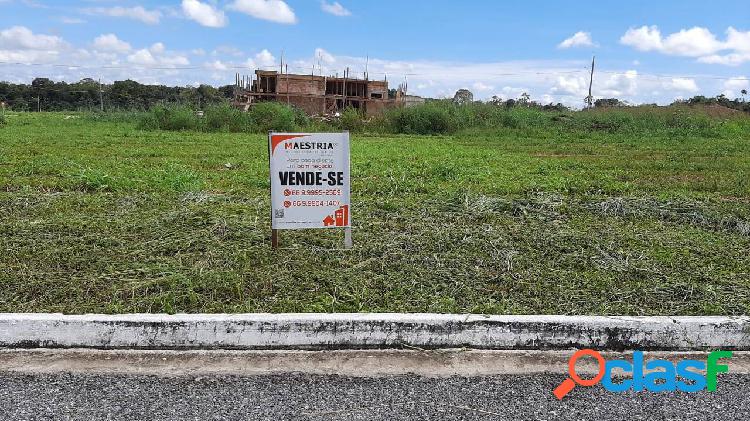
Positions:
(311, 397)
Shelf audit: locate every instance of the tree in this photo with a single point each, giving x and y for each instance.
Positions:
(743, 92)
(496, 100)
(524, 100)
(463, 96)
(608, 103)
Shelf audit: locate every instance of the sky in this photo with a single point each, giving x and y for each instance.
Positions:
(646, 51)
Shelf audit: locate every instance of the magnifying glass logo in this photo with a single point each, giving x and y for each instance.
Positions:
(568, 384)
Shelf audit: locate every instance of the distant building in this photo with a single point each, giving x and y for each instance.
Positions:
(316, 95)
(412, 100)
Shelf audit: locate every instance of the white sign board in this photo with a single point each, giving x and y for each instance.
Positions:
(309, 180)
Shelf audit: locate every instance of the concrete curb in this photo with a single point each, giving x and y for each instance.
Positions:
(351, 362)
(371, 331)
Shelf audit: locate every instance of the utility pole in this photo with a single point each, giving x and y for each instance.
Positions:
(38, 104)
(590, 98)
(101, 96)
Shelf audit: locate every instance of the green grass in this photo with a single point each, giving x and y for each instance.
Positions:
(560, 216)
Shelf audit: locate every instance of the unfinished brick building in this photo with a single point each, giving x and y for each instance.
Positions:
(316, 95)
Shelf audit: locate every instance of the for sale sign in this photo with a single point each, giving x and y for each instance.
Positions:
(309, 180)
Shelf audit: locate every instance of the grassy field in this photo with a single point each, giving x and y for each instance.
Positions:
(100, 216)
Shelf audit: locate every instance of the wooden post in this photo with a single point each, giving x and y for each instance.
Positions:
(101, 96)
(348, 242)
(344, 89)
(590, 98)
(274, 232)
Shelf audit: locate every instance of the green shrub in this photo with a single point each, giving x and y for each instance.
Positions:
(426, 119)
(170, 117)
(267, 116)
(114, 116)
(301, 119)
(3, 120)
(225, 118)
(444, 117)
(351, 120)
(148, 121)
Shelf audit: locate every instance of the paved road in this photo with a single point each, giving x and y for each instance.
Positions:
(303, 397)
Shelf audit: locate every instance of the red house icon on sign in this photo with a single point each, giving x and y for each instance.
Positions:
(340, 217)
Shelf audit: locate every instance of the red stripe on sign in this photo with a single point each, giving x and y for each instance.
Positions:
(278, 138)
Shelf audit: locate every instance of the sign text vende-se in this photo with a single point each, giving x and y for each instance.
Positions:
(309, 180)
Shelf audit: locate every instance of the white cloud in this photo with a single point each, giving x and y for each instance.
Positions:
(576, 86)
(683, 84)
(579, 39)
(620, 84)
(203, 13)
(334, 8)
(324, 56)
(174, 60)
(737, 40)
(217, 65)
(694, 42)
(265, 59)
(28, 56)
(739, 43)
(110, 43)
(142, 57)
(645, 38)
(71, 21)
(272, 10)
(227, 50)
(157, 58)
(250, 64)
(157, 48)
(546, 81)
(151, 17)
(22, 38)
(733, 87)
(482, 87)
(732, 59)
(738, 83)
(20, 44)
(198, 52)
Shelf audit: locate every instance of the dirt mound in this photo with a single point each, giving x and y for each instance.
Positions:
(717, 110)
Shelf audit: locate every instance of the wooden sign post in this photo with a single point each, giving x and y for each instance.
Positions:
(309, 182)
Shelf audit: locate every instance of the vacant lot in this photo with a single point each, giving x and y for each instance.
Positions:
(103, 217)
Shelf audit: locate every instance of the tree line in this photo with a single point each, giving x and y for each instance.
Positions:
(739, 104)
(88, 95)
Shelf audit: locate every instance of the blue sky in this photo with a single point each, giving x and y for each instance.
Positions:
(647, 51)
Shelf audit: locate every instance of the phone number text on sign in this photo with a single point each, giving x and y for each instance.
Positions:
(309, 180)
